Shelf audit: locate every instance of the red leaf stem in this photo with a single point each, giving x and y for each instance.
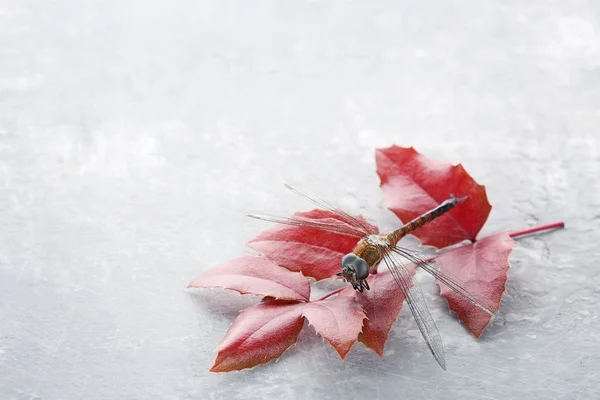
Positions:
(535, 229)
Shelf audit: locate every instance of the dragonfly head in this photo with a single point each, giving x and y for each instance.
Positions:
(355, 270)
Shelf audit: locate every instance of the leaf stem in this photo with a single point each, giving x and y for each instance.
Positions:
(522, 232)
(333, 292)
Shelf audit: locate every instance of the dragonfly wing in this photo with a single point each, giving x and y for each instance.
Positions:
(329, 226)
(448, 279)
(416, 302)
(326, 205)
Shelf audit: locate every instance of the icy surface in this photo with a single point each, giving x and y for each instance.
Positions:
(135, 135)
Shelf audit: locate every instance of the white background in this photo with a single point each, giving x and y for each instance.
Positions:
(135, 135)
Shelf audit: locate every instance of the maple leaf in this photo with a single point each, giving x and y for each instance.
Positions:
(263, 332)
(381, 305)
(339, 320)
(482, 267)
(314, 252)
(413, 184)
(255, 275)
(258, 335)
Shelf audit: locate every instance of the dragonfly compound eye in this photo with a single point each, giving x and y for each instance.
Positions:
(354, 268)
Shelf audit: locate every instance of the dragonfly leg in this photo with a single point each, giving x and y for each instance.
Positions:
(458, 199)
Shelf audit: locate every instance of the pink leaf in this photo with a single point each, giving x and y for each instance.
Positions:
(339, 320)
(482, 267)
(256, 275)
(413, 184)
(258, 335)
(381, 305)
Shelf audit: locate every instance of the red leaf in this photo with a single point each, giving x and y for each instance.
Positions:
(314, 252)
(339, 320)
(381, 304)
(413, 184)
(482, 267)
(256, 275)
(258, 335)
(263, 332)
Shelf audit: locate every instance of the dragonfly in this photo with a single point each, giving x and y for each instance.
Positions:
(375, 248)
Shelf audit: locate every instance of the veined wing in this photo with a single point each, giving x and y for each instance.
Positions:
(326, 205)
(331, 225)
(416, 302)
(454, 283)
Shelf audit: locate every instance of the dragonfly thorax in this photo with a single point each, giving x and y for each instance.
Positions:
(372, 249)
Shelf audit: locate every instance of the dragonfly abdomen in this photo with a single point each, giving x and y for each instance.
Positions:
(424, 219)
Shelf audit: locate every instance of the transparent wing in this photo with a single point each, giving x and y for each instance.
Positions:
(414, 297)
(324, 204)
(447, 278)
(329, 226)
